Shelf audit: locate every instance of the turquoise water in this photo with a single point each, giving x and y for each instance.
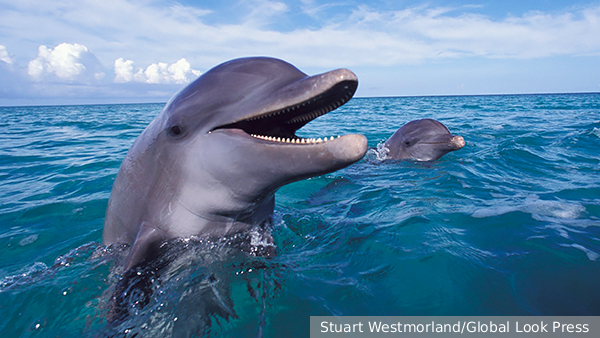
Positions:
(508, 225)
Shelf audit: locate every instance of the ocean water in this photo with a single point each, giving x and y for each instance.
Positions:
(508, 225)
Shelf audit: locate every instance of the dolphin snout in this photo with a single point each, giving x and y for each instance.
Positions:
(458, 142)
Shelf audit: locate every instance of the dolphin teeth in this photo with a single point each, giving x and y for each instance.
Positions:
(331, 139)
(319, 140)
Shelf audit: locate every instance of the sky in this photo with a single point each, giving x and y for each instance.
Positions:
(135, 51)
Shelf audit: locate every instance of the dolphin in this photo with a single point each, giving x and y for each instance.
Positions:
(422, 140)
(210, 163)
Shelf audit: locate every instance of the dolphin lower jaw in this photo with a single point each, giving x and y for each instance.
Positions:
(267, 165)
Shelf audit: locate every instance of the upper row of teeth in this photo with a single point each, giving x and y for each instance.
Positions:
(307, 117)
(284, 111)
(295, 140)
(315, 114)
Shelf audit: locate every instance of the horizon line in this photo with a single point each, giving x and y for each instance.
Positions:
(356, 97)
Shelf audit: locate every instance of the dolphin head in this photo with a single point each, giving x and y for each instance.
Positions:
(211, 161)
(422, 140)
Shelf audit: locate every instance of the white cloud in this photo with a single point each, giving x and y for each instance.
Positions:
(63, 61)
(123, 70)
(179, 72)
(148, 31)
(66, 62)
(4, 57)
(313, 35)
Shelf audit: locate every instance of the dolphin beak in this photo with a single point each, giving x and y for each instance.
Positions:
(457, 142)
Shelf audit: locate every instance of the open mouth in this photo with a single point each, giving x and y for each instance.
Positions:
(281, 125)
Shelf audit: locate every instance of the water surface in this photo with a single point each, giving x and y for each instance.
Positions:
(508, 225)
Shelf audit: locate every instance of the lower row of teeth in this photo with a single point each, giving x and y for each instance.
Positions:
(295, 140)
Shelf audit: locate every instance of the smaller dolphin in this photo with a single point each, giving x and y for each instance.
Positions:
(422, 140)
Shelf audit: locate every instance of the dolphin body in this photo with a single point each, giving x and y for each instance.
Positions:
(422, 140)
(210, 163)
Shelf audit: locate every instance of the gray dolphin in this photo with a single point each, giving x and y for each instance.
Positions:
(210, 163)
(422, 140)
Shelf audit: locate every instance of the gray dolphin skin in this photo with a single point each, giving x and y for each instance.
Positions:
(210, 163)
(422, 140)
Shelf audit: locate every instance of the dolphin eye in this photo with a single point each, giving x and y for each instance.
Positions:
(175, 131)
